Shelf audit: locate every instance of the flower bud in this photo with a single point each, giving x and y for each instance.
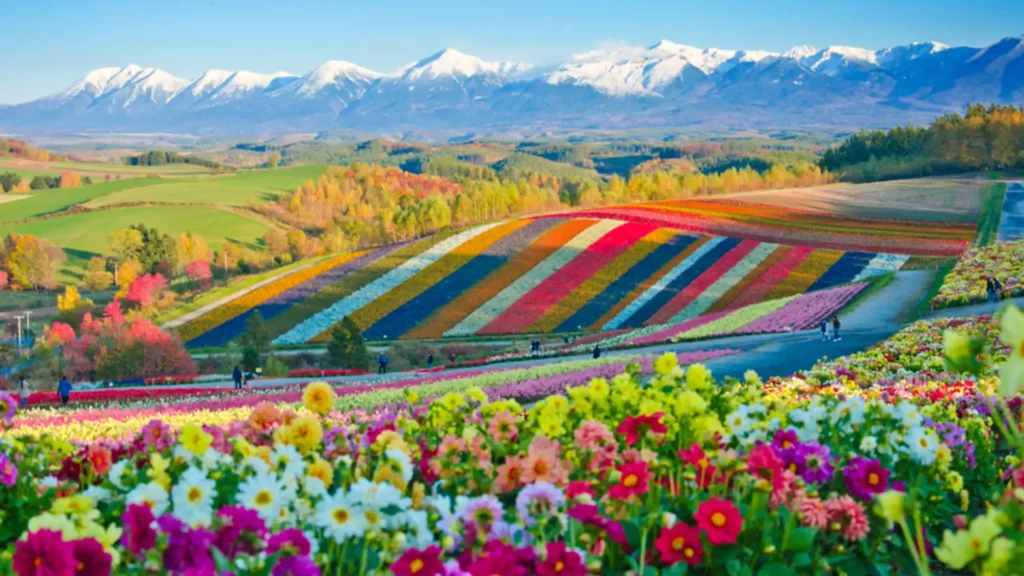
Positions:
(769, 549)
(668, 519)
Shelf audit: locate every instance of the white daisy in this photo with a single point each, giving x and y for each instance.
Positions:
(314, 486)
(909, 414)
(868, 444)
(417, 528)
(150, 494)
(258, 465)
(97, 494)
(922, 446)
(377, 496)
(396, 455)
(339, 518)
(193, 498)
(289, 458)
(117, 475)
(262, 493)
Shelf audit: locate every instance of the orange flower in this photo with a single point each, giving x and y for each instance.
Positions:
(100, 458)
(509, 475)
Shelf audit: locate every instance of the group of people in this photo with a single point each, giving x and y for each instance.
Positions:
(241, 378)
(535, 346)
(825, 336)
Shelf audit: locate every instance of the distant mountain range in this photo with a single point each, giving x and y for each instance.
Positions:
(664, 85)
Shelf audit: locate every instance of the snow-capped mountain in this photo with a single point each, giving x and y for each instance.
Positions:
(664, 84)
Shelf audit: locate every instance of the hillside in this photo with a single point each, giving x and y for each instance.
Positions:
(605, 269)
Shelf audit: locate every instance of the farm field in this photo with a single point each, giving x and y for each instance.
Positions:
(44, 202)
(101, 168)
(630, 267)
(238, 189)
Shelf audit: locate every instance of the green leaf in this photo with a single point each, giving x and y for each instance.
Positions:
(678, 569)
(801, 560)
(775, 569)
(800, 539)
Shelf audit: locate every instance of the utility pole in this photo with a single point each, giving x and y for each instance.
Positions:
(28, 321)
(19, 336)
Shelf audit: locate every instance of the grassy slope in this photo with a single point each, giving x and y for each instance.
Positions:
(45, 202)
(238, 190)
(518, 164)
(991, 213)
(92, 168)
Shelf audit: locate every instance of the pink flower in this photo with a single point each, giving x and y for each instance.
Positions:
(720, 520)
(560, 561)
(634, 480)
(812, 513)
(139, 533)
(633, 428)
(8, 471)
(849, 515)
(43, 553)
(503, 426)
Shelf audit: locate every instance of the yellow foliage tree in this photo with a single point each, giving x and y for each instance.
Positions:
(69, 300)
(97, 278)
(70, 180)
(126, 273)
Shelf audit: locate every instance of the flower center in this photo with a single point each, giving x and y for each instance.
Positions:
(630, 481)
(340, 515)
(688, 552)
(718, 519)
(559, 566)
(678, 543)
(372, 517)
(415, 566)
(873, 479)
(194, 494)
(263, 498)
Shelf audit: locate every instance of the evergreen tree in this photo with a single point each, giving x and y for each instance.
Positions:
(256, 333)
(347, 349)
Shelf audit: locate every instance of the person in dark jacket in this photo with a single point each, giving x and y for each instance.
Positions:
(237, 376)
(835, 328)
(597, 351)
(64, 390)
(382, 364)
(22, 391)
(824, 330)
(430, 360)
(451, 358)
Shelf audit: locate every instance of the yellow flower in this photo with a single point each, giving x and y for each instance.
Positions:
(955, 481)
(305, 433)
(390, 439)
(943, 456)
(889, 505)
(599, 388)
(318, 397)
(451, 401)
(477, 395)
(1011, 334)
(322, 471)
(194, 439)
(73, 505)
(665, 363)
(56, 522)
(999, 556)
(157, 472)
(697, 376)
(956, 550)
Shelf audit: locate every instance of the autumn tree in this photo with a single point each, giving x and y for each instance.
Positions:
(97, 278)
(273, 160)
(70, 180)
(190, 248)
(127, 272)
(33, 262)
(125, 245)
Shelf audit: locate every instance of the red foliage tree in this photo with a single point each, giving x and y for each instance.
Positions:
(144, 290)
(199, 271)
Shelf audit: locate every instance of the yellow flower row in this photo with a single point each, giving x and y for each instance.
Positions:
(248, 301)
(122, 429)
(594, 285)
(805, 274)
(390, 301)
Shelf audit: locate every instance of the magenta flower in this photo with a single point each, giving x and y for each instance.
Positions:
(91, 558)
(814, 462)
(8, 471)
(866, 478)
(241, 530)
(8, 406)
(157, 434)
(43, 553)
(139, 533)
(295, 566)
(289, 540)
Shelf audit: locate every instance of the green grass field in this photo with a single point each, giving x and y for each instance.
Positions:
(93, 168)
(86, 234)
(42, 202)
(236, 190)
(26, 173)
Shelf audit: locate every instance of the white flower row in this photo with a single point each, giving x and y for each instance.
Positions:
(715, 291)
(882, 264)
(661, 284)
(326, 318)
(487, 312)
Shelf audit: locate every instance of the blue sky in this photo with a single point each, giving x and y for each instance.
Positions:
(48, 44)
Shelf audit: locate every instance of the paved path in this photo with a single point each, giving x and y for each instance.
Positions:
(1011, 223)
(769, 354)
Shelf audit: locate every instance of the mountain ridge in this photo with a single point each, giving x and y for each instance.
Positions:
(660, 85)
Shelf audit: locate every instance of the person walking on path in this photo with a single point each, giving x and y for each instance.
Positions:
(22, 391)
(430, 360)
(824, 330)
(64, 390)
(451, 358)
(835, 329)
(382, 364)
(236, 375)
(597, 351)
(990, 288)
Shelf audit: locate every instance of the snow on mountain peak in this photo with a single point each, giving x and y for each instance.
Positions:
(800, 52)
(333, 73)
(93, 83)
(450, 63)
(208, 82)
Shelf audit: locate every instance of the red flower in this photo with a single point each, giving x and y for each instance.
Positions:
(720, 520)
(561, 562)
(680, 543)
(632, 428)
(578, 488)
(100, 458)
(43, 553)
(695, 457)
(91, 559)
(415, 562)
(763, 463)
(634, 480)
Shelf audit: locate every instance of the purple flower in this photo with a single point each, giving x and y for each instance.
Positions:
(786, 445)
(241, 530)
(538, 500)
(139, 535)
(289, 540)
(8, 471)
(8, 406)
(295, 566)
(483, 511)
(186, 548)
(865, 478)
(814, 463)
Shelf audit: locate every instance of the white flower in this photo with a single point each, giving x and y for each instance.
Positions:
(116, 475)
(193, 498)
(97, 494)
(290, 458)
(850, 412)
(738, 422)
(262, 493)
(150, 494)
(909, 415)
(417, 528)
(377, 496)
(313, 486)
(339, 518)
(258, 465)
(922, 446)
(868, 444)
(396, 455)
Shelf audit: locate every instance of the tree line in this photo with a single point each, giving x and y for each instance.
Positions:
(163, 157)
(983, 138)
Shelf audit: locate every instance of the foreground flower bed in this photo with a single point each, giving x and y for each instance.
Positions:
(966, 283)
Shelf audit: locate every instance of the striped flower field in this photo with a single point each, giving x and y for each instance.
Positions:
(614, 269)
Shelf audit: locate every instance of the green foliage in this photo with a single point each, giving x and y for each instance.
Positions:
(274, 366)
(991, 214)
(44, 182)
(523, 165)
(256, 333)
(156, 249)
(347, 349)
(162, 157)
(8, 180)
(250, 358)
